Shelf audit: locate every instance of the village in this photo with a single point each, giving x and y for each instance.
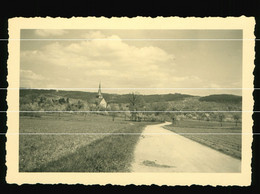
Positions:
(134, 106)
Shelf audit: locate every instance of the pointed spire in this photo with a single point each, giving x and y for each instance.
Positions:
(99, 91)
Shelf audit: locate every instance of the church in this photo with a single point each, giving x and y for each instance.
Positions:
(101, 102)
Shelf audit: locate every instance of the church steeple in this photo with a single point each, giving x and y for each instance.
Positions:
(99, 91)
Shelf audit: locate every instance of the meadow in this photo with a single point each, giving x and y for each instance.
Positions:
(226, 139)
(72, 142)
(77, 142)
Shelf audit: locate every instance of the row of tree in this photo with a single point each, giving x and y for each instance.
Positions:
(136, 109)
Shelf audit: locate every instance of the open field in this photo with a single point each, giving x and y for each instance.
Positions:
(63, 145)
(71, 142)
(207, 124)
(212, 135)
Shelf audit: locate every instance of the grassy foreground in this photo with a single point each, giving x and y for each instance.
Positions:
(212, 135)
(71, 150)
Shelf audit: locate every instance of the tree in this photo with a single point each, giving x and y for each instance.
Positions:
(92, 107)
(114, 108)
(159, 107)
(236, 117)
(126, 112)
(33, 97)
(136, 103)
(62, 101)
(68, 107)
(172, 115)
(221, 117)
(173, 120)
(151, 117)
(80, 105)
(42, 101)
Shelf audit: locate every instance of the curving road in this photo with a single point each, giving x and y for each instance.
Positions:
(161, 150)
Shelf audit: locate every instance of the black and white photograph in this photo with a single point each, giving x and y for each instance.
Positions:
(131, 100)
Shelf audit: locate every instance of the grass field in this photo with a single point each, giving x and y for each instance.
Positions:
(212, 135)
(72, 143)
(55, 143)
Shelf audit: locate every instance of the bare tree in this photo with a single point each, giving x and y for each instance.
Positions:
(236, 117)
(136, 103)
(221, 117)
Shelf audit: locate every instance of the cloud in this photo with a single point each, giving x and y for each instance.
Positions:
(28, 74)
(118, 64)
(93, 35)
(109, 58)
(29, 79)
(49, 32)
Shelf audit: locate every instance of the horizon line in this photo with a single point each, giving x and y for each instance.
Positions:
(138, 92)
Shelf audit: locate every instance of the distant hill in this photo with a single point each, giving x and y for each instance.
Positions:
(124, 98)
(222, 98)
(88, 96)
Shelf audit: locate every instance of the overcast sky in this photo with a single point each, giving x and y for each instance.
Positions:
(120, 63)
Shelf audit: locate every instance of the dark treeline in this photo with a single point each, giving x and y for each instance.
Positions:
(222, 98)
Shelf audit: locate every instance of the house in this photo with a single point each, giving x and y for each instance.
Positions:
(100, 101)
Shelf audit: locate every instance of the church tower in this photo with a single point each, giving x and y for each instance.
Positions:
(99, 91)
(101, 102)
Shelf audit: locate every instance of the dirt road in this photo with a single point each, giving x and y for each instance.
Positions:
(160, 150)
